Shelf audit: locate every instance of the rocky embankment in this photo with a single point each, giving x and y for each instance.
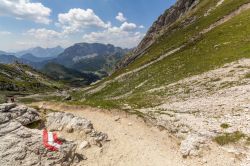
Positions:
(213, 106)
(22, 145)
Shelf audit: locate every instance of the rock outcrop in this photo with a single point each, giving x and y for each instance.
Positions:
(20, 145)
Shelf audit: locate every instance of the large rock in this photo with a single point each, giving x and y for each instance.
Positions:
(23, 146)
(59, 121)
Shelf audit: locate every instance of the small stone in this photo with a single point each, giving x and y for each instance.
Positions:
(130, 124)
(79, 157)
(83, 145)
(204, 161)
(67, 98)
(117, 118)
(87, 131)
(70, 130)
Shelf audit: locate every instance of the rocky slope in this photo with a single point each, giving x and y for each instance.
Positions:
(200, 108)
(160, 26)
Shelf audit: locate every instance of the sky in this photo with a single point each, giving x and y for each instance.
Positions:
(48, 23)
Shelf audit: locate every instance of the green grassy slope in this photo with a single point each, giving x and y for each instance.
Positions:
(19, 77)
(225, 43)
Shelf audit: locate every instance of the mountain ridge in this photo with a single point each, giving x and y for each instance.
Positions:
(91, 57)
(33, 58)
(41, 52)
(163, 22)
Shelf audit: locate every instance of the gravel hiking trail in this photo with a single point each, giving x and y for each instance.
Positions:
(135, 143)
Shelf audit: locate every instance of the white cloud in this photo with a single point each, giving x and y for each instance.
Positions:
(43, 34)
(115, 36)
(5, 33)
(79, 19)
(24, 9)
(128, 26)
(120, 17)
(44, 38)
(124, 36)
(141, 27)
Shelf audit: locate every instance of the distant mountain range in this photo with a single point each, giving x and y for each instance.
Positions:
(82, 63)
(34, 62)
(94, 57)
(7, 59)
(2, 52)
(32, 58)
(42, 52)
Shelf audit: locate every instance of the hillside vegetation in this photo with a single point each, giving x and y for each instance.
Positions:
(20, 78)
(200, 50)
(68, 76)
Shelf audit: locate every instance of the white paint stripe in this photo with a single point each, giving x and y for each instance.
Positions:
(51, 141)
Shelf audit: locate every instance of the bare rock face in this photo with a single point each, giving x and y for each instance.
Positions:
(162, 23)
(20, 145)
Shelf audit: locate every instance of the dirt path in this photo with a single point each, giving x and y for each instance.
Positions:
(133, 143)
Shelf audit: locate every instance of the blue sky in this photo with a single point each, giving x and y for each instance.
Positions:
(48, 23)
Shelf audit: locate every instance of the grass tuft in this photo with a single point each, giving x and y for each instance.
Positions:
(224, 125)
(247, 75)
(228, 138)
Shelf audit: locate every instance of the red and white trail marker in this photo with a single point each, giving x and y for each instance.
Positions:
(51, 141)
